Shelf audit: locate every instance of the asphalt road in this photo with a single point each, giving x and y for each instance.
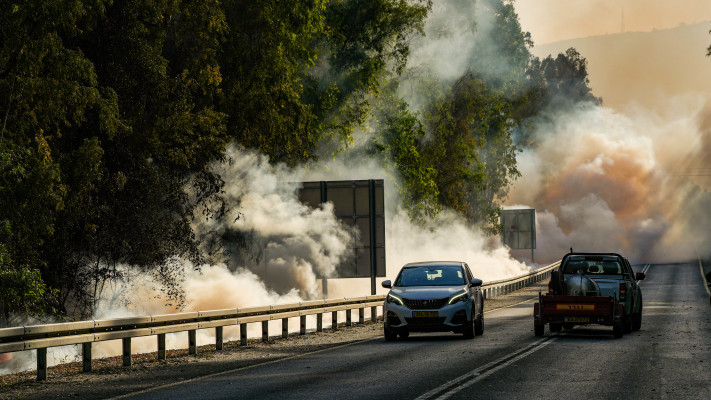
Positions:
(667, 358)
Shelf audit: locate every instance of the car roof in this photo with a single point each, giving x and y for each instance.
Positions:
(578, 253)
(426, 263)
(592, 255)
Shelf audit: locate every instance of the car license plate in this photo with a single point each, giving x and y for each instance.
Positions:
(425, 314)
(575, 307)
(577, 319)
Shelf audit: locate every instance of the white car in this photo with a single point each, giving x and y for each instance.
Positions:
(436, 296)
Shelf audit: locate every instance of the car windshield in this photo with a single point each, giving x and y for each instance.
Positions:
(593, 265)
(431, 275)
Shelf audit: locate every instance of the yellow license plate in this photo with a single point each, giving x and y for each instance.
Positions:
(575, 307)
(425, 314)
(577, 319)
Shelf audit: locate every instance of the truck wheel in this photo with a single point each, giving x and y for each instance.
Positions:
(555, 327)
(479, 325)
(390, 334)
(627, 323)
(617, 330)
(538, 329)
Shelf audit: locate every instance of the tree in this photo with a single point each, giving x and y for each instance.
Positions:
(299, 73)
(471, 150)
(399, 139)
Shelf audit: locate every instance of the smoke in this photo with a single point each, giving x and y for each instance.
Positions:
(292, 244)
(605, 181)
(447, 237)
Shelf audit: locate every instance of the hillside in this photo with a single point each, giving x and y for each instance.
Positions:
(644, 67)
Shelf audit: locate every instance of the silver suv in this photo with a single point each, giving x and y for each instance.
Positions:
(437, 296)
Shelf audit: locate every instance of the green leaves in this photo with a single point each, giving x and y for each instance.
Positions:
(24, 291)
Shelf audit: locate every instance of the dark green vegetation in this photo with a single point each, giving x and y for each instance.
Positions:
(112, 111)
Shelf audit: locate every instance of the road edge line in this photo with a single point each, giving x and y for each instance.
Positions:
(703, 277)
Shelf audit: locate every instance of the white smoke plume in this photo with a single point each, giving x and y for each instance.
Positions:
(446, 237)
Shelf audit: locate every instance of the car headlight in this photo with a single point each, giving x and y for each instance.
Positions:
(459, 297)
(391, 298)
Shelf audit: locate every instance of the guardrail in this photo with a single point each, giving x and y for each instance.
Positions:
(41, 337)
(506, 286)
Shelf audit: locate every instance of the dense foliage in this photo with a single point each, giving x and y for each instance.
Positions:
(112, 111)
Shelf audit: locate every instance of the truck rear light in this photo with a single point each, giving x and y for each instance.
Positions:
(550, 287)
(623, 291)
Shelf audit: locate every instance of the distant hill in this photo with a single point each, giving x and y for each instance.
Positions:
(644, 67)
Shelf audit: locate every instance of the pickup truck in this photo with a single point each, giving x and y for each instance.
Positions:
(591, 288)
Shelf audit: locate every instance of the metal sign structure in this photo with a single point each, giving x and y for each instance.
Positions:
(519, 229)
(360, 205)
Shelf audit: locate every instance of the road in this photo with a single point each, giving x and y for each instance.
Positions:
(667, 358)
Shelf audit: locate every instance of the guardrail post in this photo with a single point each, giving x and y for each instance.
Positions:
(42, 364)
(161, 346)
(243, 334)
(302, 323)
(361, 315)
(86, 356)
(265, 331)
(349, 321)
(334, 320)
(192, 342)
(126, 352)
(285, 328)
(218, 338)
(373, 314)
(319, 322)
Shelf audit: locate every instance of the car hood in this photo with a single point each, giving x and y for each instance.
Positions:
(426, 292)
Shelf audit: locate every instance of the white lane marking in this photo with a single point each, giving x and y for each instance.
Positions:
(703, 277)
(457, 384)
(644, 271)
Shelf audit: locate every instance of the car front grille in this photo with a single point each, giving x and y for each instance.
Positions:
(429, 321)
(431, 304)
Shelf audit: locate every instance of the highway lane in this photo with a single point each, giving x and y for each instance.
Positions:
(667, 358)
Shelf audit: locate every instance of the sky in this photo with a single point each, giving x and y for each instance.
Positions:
(554, 20)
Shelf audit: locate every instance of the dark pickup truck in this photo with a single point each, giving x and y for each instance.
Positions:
(591, 288)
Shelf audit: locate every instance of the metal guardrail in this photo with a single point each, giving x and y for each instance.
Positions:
(506, 286)
(41, 337)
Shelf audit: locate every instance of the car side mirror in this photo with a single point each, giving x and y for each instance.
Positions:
(639, 276)
(387, 284)
(475, 282)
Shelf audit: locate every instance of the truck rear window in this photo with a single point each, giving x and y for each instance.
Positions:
(597, 267)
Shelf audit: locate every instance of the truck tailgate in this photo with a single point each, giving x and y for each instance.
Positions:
(576, 309)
